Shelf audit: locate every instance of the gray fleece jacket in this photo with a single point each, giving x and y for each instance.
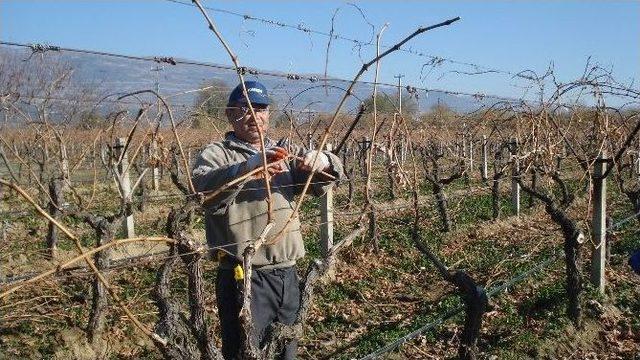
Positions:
(238, 215)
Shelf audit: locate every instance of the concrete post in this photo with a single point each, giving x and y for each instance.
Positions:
(470, 154)
(599, 231)
(464, 148)
(326, 218)
(309, 142)
(155, 171)
(125, 185)
(484, 157)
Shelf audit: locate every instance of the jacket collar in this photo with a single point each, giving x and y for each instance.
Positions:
(233, 142)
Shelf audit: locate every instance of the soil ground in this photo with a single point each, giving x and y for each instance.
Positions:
(375, 298)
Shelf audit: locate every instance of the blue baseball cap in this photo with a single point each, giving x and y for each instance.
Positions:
(256, 91)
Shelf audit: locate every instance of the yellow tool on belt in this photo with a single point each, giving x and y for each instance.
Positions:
(238, 272)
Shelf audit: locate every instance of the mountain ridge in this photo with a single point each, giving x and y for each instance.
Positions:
(115, 75)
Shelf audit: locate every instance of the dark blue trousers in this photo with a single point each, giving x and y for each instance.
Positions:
(275, 298)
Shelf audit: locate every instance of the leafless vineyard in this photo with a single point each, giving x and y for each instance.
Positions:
(103, 249)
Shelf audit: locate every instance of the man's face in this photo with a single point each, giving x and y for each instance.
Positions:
(244, 125)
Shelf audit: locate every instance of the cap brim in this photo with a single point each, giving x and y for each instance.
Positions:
(257, 99)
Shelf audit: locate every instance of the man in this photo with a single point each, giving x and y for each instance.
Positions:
(237, 216)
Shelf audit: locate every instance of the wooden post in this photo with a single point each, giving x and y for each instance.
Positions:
(64, 159)
(390, 167)
(403, 153)
(363, 158)
(56, 194)
(484, 157)
(44, 167)
(599, 231)
(515, 187)
(125, 186)
(326, 218)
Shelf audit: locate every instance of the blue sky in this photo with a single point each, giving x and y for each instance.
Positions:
(511, 36)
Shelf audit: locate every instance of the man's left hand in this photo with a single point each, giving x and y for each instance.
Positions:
(321, 161)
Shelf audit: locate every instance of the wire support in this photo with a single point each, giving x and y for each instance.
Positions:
(288, 76)
(451, 313)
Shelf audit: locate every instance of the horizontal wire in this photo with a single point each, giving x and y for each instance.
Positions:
(449, 314)
(434, 60)
(23, 277)
(191, 106)
(623, 221)
(203, 249)
(312, 78)
(340, 182)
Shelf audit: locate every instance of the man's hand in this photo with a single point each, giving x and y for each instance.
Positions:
(273, 154)
(321, 161)
(276, 153)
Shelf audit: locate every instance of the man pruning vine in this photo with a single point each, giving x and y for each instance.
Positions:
(238, 215)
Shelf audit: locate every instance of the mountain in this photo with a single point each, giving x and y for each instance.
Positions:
(112, 75)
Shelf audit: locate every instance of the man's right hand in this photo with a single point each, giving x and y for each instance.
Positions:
(273, 154)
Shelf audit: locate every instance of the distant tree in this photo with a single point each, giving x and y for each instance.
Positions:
(387, 104)
(89, 120)
(440, 116)
(278, 119)
(210, 104)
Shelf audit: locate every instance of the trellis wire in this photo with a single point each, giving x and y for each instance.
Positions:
(495, 290)
(449, 314)
(433, 59)
(13, 279)
(614, 226)
(288, 76)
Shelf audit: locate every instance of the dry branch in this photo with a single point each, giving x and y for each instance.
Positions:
(234, 59)
(327, 130)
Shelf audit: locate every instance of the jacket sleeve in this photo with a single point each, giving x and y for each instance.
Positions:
(318, 185)
(212, 170)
